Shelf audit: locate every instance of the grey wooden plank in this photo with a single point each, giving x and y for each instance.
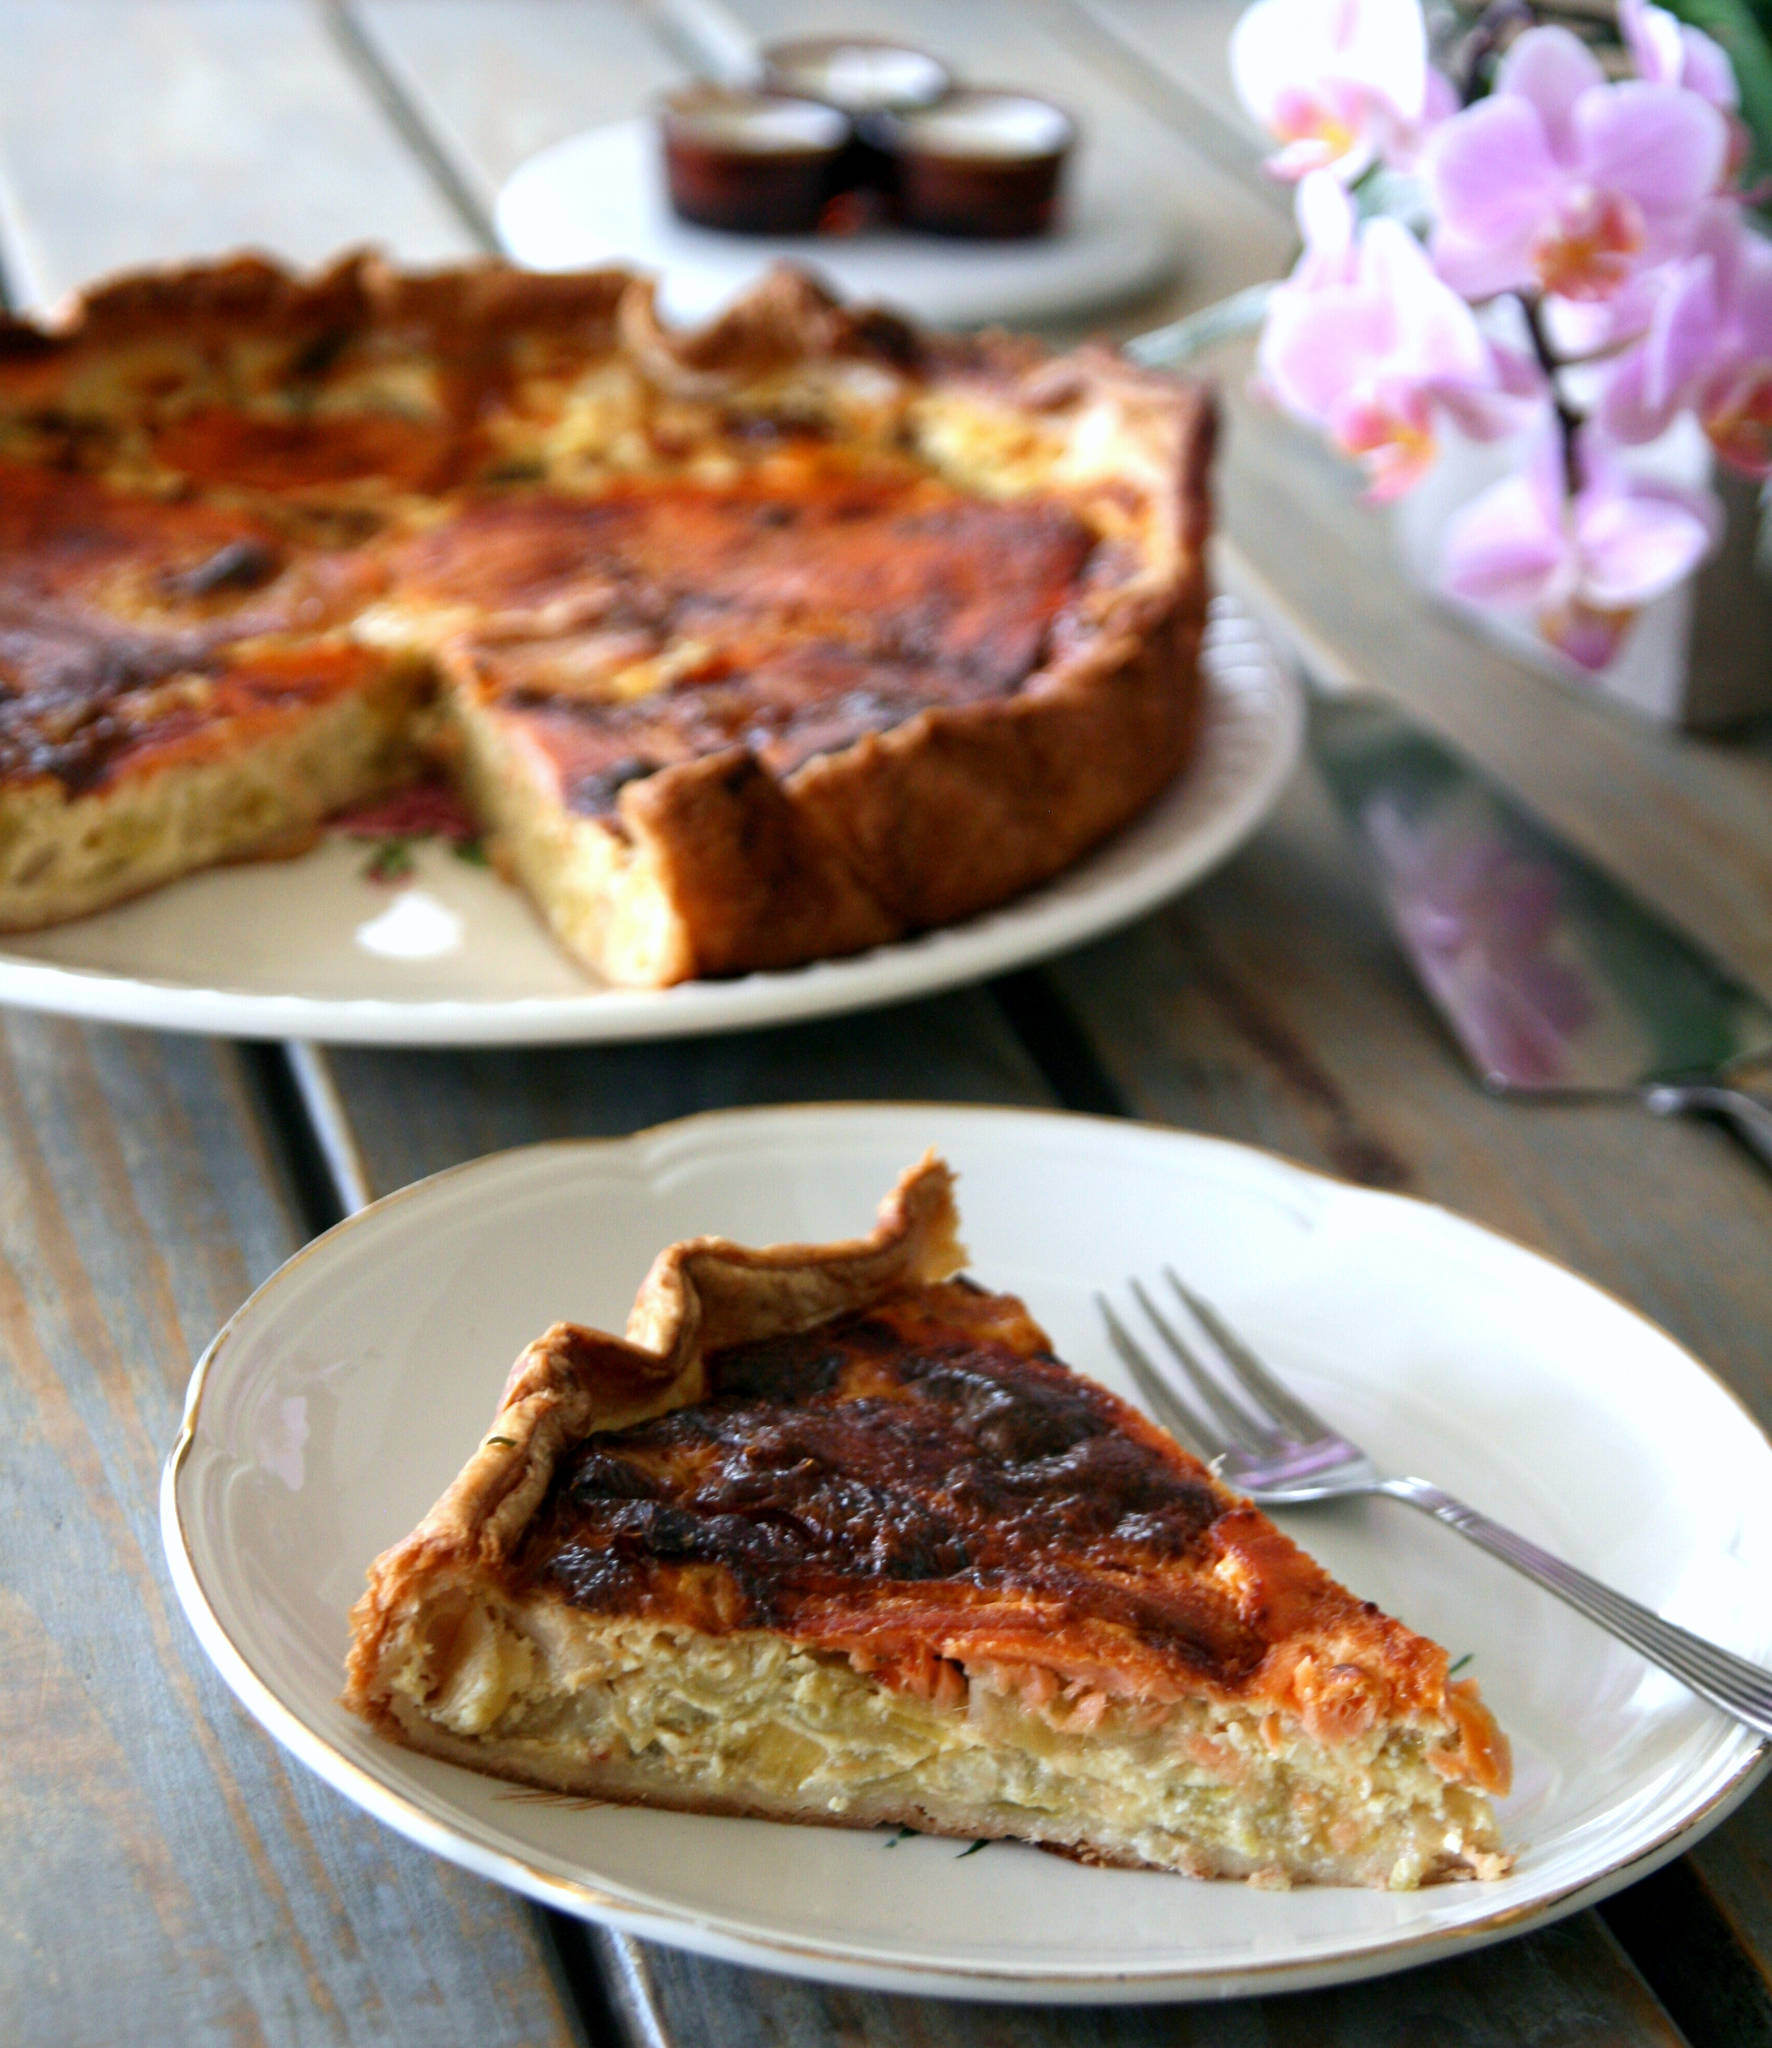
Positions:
(1177, 57)
(494, 84)
(1734, 1870)
(413, 1113)
(1704, 1960)
(167, 1876)
(143, 133)
(1570, 1987)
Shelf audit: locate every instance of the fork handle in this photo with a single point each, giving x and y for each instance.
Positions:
(1715, 1674)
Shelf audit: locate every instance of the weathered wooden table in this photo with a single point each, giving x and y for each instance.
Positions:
(165, 1875)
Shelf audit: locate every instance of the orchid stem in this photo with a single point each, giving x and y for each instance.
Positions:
(1486, 40)
(1568, 419)
(1224, 320)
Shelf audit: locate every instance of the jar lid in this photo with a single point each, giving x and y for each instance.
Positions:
(982, 123)
(860, 74)
(754, 123)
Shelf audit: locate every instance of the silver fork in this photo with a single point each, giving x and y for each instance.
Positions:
(1263, 1441)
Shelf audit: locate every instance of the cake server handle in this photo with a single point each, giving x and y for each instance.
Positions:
(1746, 1115)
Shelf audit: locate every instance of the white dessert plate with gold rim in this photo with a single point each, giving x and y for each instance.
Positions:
(336, 1405)
(450, 955)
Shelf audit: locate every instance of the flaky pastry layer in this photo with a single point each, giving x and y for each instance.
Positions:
(829, 1536)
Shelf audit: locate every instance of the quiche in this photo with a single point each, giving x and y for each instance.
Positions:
(749, 645)
(830, 1535)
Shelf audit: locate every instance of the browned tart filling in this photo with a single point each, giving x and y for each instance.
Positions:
(834, 1537)
(753, 645)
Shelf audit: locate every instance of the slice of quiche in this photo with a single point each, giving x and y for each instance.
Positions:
(832, 1536)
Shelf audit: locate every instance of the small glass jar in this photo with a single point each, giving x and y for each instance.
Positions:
(869, 80)
(982, 163)
(754, 163)
(860, 74)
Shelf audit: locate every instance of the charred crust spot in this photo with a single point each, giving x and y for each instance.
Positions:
(769, 429)
(879, 333)
(242, 564)
(596, 1477)
(864, 1456)
(19, 340)
(318, 356)
(593, 795)
(76, 760)
(65, 687)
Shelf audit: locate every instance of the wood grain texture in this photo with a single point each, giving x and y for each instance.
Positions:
(416, 1112)
(1181, 55)
(494, 84)
(1570, 1987)
(1734, 1871)
(167, 1877)
(1271, 1005)
(135, 133)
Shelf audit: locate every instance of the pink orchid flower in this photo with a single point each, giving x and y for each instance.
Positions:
(1708, 347)
(1366, 342)
(1565, 184)
(1583, 566)
(1667, 51)
(1340, 83)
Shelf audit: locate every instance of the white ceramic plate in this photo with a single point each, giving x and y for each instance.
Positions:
(312, 948)
(342, 1398)
(599, 198)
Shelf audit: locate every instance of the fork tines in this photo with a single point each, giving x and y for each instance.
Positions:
(1249, 1409)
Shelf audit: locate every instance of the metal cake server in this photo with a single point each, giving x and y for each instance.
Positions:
(1554, 979)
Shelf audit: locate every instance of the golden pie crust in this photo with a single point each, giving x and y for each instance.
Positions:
(830, 1535)
(751, 645)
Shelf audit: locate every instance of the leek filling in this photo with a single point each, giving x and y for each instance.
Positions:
(752, 1720)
